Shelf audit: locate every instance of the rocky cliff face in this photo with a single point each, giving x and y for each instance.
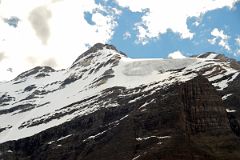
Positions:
(203, 109)
(179, 122)
(109, 107)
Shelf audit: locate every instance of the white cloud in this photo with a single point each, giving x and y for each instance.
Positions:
(238, 40)
(212, 41)
(127, 35)
(50, 62)
(197, 23)
(220, 38)
(170, 14)
(51, 32)
(38, 18)
(176, 55)
(238, 52)
(2, 56)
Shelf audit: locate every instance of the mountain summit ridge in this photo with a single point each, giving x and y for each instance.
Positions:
(100, 46)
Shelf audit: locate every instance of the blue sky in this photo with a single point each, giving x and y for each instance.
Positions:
(56, 32)
(224, 19)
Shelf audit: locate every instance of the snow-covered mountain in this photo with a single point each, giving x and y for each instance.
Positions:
(103, 78)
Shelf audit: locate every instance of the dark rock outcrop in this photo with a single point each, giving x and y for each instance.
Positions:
(41, 71)
(5, 98)
(203, 107)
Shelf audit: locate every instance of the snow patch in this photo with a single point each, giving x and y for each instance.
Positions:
(224, 83)
(51, 142)
(146, 103)
(94, 136)
(230, 110)
(136, 157)
(146, 138)
(117, 121)
(62, 138)
(212, 56)
(226, 96)
(134, 100)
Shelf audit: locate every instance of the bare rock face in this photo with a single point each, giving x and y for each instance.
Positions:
(184, 121)
(203, 108)
(232, 102)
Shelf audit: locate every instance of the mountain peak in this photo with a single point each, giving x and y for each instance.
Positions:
(222, 58)
(97, 47)
(105, 99)
(210, 55)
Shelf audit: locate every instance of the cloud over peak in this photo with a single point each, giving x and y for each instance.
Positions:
(51, 62)
(176, 55)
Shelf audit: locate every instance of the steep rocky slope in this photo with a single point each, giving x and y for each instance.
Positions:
(109, 106)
